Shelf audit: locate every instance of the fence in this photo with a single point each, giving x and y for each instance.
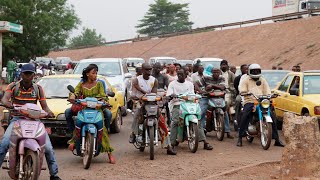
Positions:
(210, 28)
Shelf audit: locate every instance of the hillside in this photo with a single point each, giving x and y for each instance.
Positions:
(284, 43)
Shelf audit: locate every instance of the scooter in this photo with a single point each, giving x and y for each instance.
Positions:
(216, 113)
(148, 134)
(27, 143)
(261, 126)
(89, 127)
(190, 115)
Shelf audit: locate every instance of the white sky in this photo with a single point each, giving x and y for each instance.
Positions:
(116, 19)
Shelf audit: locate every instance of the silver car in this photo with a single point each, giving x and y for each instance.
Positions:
(116, 72)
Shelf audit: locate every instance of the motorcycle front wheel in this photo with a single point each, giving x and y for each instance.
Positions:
(88, 152)
(266, 134)
(220, 126)
(151, 143)
(31, 166)
(193, 141)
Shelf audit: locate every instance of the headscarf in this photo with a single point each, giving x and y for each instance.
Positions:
(208, 70)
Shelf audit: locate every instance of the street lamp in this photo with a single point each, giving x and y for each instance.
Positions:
(5, 27)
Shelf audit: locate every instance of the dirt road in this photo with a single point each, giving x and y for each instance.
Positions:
(132, 164)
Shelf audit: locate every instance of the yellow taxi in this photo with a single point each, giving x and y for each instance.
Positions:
(55, 88)
(299, 94)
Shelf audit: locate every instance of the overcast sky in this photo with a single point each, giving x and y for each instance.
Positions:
(116, 19)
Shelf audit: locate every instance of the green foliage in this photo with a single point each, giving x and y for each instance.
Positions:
(165, 17)
(46, 26)
(88, 37)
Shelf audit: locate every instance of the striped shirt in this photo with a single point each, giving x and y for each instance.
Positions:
(23, 95)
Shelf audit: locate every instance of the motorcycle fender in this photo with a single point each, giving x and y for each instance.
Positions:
(89, 128)
(29, 144)
(268, 118)
(150, 122)
(191, 118)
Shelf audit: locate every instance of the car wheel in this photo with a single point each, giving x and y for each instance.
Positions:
(116, 124)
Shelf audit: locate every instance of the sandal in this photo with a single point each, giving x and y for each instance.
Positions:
(112, 159)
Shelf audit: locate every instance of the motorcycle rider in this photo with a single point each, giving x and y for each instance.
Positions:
(26, 93)
(142, 85)
(216, 81)
(248, 84)
(176, 87)
(199, 86)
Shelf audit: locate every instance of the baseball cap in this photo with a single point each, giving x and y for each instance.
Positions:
(28, 68)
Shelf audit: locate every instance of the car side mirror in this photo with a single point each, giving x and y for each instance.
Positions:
(70, 88)
(127, 75)
(111, 94)
(294, 92)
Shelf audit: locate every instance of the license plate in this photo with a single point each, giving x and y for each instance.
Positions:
(48, 129)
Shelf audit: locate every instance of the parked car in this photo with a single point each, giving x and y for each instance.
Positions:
(274, 77)
(215, 62)
(162, 60)
(57, 93)
(62, 63)
(115, 71)
(184, 62)
(299, 94)
(45, 61)
(132, 62)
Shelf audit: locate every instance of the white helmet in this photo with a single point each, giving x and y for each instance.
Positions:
(254, 71)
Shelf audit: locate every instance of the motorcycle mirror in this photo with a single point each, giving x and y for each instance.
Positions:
(111, 94)
(258, 83)
(70, 88)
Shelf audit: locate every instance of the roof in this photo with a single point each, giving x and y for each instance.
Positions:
(102, 60)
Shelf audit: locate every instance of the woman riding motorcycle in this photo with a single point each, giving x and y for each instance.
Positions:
(91, 87)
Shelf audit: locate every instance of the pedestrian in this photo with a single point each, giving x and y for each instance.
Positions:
(11, 68)
(233, 69)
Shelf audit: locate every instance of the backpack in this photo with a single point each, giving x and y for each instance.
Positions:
(17, 86)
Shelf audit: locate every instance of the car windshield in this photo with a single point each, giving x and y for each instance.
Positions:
(184, 62)
(135, 62)
(57, 87)
(166, 61)
(105, 68)
(311, 84)
(215, 64)
(274, 77)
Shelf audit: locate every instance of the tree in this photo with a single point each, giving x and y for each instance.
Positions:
(88, 37)
(46, 25)
(165, 17)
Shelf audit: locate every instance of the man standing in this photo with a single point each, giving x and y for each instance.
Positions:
(233, 69)
(22, 92)
(163, 81)
(177, 87)
(11, 68)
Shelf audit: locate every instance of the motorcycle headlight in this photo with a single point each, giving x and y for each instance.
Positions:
(61, 117)
(265, 103)
(118, 87)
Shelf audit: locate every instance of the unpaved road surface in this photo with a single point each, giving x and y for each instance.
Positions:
(132, 164)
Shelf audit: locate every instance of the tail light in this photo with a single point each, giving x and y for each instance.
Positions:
(317, 110)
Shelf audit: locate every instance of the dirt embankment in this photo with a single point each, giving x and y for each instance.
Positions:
(282, 43)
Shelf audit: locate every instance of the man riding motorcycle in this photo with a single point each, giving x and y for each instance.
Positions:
(175, 88)
(142, 85)
(248, 85)
(22, 92)
(216, 81)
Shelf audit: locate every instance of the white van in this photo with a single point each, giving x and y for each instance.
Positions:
(206, 61)
(162, 60)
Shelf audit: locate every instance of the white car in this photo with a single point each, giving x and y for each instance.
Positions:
(116, 72)
(215, 62)
(162, 60)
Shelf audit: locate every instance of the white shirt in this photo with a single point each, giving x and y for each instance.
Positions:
(145, 85)
(178, 88)
(226, 77)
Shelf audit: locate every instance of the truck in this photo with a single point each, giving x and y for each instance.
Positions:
(280, 7)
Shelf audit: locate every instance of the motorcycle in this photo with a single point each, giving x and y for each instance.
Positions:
(216, 113)
(260, 125)
(89, 127)
(162, 105)
(190, 115)
(27, 143)
(148, 134)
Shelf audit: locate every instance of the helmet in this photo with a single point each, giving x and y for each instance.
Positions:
(254, 71)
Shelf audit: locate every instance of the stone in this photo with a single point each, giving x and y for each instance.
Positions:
(301, 155)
